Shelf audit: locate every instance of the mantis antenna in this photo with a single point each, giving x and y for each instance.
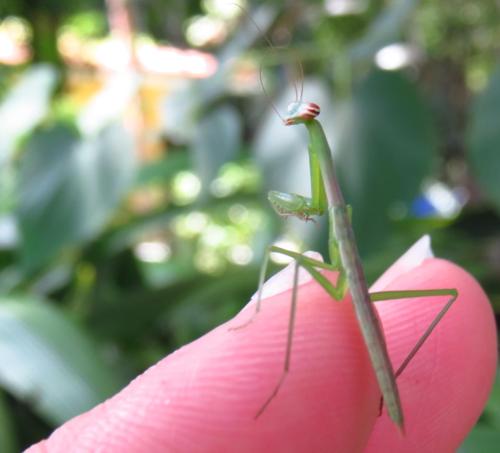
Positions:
(301, 75)
(298, 97)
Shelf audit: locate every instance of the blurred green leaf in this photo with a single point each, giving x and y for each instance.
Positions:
(208, 301)
(162, 171)
(217, 140)
(384, 29)
(24, 106)
(69, 187)
(383, 148)
(481, 440)
(48, 362)
(492, 410)
(7, 433)
(184, 106)
(244, 37)
(22, 109)
(483, 137)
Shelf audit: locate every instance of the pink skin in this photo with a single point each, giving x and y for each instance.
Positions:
(203, 397)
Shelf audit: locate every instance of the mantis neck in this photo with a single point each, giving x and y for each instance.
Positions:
(320, 146)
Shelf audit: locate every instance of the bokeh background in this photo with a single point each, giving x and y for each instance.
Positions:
(137, 144)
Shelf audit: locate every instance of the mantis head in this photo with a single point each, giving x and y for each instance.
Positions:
(299, 112)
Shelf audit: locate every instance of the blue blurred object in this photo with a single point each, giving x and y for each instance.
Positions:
(422, 207)
(438, 200)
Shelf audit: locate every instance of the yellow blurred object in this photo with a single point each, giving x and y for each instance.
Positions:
(92, 62)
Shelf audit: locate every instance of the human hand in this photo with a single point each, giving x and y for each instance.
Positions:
(204, 397)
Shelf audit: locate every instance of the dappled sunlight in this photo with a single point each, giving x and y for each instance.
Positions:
(113, 54)
(152, 251)
(14, 38)
(396, 56)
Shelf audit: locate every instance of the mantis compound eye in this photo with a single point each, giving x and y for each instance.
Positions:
(299, 112)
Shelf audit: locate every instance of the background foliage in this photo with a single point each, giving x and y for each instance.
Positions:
(133, 215)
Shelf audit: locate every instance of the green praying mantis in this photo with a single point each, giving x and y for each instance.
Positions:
(326, 197)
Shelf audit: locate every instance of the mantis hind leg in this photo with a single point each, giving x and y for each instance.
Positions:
(336, 291)
(291, 324)
(262, 278)
(391, 295)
